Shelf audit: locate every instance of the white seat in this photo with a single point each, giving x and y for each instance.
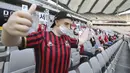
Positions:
(73, 71)
(13, 48)
(95, 65)
(114, 62)
(117, 45)
(85, 68)
(101, 60)
(105, 56)
(88, 47)
(73, 50)
(75, 57)
(109, 69)
(1, 66)
(2, 49)
(108, 53)
(20, 62)
(4, 53)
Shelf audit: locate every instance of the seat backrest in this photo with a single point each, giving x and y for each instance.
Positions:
(112, 50)
(101, 60)
(74, 50)
(87, 46)
(1, 66)
(4, 54)
(73, 71)
(95, 65)
(21, 59)
(85, 68)
(75, 57)
(108, 53)
(13, 48)
(116, 45)
(2, 49)
(105, 56)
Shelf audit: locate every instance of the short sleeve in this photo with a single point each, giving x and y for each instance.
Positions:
(32, 40)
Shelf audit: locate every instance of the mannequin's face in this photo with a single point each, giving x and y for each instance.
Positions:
(66, 22)
(64, 25)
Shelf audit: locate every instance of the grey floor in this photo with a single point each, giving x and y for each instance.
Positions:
(123, 65)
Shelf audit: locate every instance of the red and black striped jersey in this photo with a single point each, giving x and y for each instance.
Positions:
(52, 53)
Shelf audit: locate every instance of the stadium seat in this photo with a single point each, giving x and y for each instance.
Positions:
(101, 60)
(4, 51)
(75, 57)
(114, 61)
(20, 62)
(88, 47)
(74, 50)
(95, 65)
(1, 66)
(13, 48)
(73, 71)
(109, 69)
(108, 53)
(85, 68)
(105, 56)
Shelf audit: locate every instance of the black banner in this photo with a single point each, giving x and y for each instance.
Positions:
(4, 15)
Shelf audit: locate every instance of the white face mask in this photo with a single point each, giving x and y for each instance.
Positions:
(64, 30)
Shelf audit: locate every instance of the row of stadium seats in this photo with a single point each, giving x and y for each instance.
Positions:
(23, 61)
(20, 62)
(103, 62)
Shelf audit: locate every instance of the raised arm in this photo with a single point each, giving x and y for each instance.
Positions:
(83, 37)
(17, 26)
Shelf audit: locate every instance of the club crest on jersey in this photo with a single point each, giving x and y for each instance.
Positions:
(49, 43)
(67, 43)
